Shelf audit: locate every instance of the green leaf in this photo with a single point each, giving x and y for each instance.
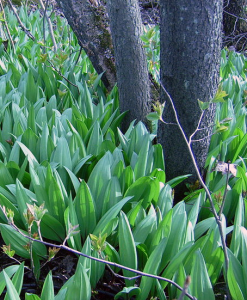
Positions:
(31, 158)
(234, 286)
(29, 296)
(9, 271)
(17, 281)
(142, 163)
(101, 226)
(48, 288)
(146, 188)
(128, 292)
(85, 210)
(52, 229)
(200, 286)
(127, 248)
(203, 105)
(153, 116)
(145, 227)
(12, 293)
(17, 242)
(219, 97)
(79, 287)
(151, 267)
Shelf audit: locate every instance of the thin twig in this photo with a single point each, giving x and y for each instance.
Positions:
(27, 31)
(59, 73)
(44, 8)
(197, 128)
(7, 27)
(64, 247)
(216, 216)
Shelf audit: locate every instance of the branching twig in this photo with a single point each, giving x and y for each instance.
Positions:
(7, 27)
(217, 217)
(64, 247)
(197, 128)
(59, 73)
(27, 31)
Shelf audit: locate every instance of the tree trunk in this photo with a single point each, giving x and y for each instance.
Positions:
(234, 23)
(190, 60)
(131, 64)
(89, 21)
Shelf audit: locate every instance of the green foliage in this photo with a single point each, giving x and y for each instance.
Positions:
(68, 174)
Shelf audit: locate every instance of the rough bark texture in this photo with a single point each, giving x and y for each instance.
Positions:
(190, 58)
(130, 57)
(89, 21)
(234, 23)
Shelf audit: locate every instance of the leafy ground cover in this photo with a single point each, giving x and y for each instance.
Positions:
(69, 176)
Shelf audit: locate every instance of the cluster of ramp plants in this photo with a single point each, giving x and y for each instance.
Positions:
(70, 179)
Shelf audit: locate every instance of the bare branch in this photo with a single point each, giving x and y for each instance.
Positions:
(217, 217)
(27, 31)
(64, 247)
(44, 8)
(7, 27)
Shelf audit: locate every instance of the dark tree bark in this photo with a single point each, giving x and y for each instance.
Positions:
(190, 60)
(132, 72)
(234, 23)
(89, 21)
(190, 57)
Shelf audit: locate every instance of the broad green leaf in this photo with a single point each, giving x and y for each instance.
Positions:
(12, 293)
(234, 286)
(85, 209)
(52, 229)
(163, 230)
(128, 292)
(151, 267)
(215, 264)
(146, 188)
(29, 296)
(17, 242)
(127, 248)
(235, 278)
(70, 219)
(61, 154)
(175, 181)
(140, 169)
(144, 228)
(48, 289)
(80, 287)
(95, 140)
(31, 158)
(238, 222)
(9, 271)
(17, 281)
(176, 262)
(101, 226)
(112, 195)
(200, 286)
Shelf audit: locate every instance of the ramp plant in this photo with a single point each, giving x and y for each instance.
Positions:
(71, 180)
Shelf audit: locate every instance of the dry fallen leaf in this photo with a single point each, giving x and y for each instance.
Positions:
(225, 168)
